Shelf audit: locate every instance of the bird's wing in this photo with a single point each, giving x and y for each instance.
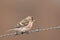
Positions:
(18, 25)
(24, 22)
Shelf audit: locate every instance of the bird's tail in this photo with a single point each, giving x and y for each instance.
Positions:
(12, 29)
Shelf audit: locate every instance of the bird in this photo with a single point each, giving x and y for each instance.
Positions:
(24, 26)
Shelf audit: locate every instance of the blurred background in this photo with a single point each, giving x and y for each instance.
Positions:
(45, 12)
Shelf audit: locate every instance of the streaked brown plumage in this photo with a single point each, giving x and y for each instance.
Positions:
(24, 25)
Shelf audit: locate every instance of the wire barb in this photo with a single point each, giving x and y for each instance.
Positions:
(31, 31)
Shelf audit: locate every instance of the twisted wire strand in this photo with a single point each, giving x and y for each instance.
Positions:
(31, 31)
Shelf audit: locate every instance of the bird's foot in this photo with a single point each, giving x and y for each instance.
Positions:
(25, 32)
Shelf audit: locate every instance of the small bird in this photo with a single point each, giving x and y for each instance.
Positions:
(24, 26)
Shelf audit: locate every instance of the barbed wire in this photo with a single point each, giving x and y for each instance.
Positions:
(31, 31)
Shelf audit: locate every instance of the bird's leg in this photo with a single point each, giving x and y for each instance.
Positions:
(22, 32)
(25, 32)
(17, 33)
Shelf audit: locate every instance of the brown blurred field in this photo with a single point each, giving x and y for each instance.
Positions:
(45, 12)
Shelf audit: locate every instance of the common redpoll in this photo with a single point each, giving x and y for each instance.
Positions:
(24, 26)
